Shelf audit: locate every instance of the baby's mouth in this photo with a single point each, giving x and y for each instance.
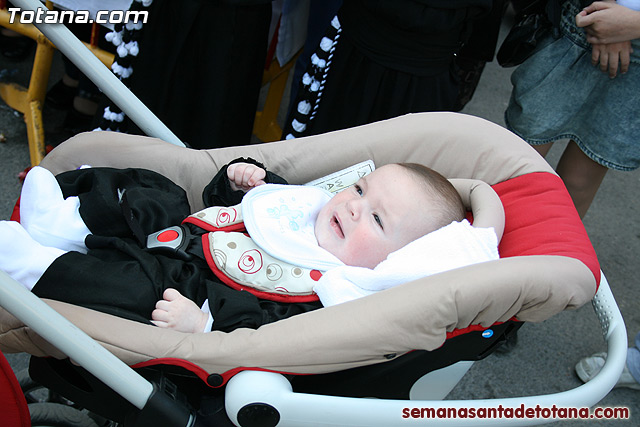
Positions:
(335, 224)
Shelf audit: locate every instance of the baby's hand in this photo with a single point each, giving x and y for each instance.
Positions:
(245, 176)
(179, 313)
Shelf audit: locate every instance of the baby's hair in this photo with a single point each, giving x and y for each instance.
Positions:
(449, 206)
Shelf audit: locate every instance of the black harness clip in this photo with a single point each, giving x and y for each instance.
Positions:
(172, 241)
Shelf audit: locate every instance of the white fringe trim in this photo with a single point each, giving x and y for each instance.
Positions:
(304, 107)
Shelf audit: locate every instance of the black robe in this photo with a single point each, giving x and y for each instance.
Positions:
(199, 68)
(390, 57)
(119, 277)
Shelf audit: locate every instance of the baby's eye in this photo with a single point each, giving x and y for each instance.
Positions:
(358, 189)
(378, 220)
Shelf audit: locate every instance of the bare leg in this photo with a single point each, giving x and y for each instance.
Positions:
(581, 175)
(543, 149)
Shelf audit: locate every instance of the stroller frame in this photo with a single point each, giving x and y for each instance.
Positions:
(252, 394)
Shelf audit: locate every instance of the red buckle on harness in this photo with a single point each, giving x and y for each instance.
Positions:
(172, 241)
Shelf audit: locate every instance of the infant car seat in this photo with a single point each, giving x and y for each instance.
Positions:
(353, 349)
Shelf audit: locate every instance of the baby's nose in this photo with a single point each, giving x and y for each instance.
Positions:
(355, 208)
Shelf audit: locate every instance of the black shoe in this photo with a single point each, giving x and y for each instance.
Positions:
(16, 48)
(60, 96)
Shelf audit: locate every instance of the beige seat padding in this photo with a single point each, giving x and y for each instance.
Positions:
(456, 145)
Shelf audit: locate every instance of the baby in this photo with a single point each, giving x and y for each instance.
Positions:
(360, 226)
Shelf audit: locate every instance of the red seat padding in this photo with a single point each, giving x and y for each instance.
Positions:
(15, 412)
(542, 220)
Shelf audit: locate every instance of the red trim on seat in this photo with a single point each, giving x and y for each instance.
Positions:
(206, 226)
(201, 373)
(192, 367)
(473, 328)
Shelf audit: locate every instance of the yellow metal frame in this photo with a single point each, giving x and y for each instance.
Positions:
(266, 126)
(29, 100)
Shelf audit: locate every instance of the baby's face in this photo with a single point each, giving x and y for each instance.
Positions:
(380, 214)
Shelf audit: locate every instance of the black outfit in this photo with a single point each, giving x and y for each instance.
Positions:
(118, 276)
(388, 58)
(199, 68)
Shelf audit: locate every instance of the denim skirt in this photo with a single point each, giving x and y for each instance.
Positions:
(559, 94)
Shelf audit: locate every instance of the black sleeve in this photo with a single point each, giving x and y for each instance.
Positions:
(232, 309)
(219, 193)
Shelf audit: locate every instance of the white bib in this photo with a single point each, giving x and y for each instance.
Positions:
(281, 219)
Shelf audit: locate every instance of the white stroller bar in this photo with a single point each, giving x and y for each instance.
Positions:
(95, 70)
(73, 342)
(154, 404)
(249, 389)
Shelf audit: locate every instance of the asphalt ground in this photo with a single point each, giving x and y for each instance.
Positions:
(544, 358)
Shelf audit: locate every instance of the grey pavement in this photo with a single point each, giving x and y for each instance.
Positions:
(543, 360)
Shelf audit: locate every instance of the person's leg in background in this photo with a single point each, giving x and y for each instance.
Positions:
(581, 175)
(589, 367)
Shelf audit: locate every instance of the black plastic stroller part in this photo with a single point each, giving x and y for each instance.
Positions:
(258, 415)
(164, 407)
(76, 384)
(167, 405)
(394, 379)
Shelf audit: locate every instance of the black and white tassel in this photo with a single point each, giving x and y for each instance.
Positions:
(313, 81)
(125, 38)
